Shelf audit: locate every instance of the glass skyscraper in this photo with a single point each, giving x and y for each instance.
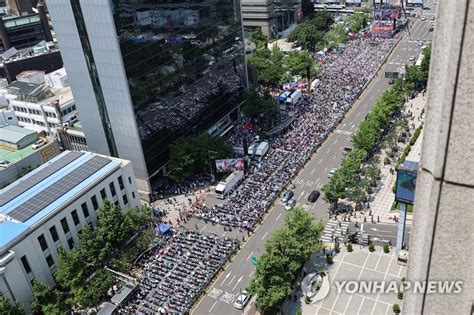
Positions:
(144, 72)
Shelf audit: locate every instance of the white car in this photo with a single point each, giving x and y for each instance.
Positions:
(242, 300)
(331, 172)
(5, 163)
(423, 18)
(432, 18)
(290, 204)
(38, 144)
(412, 58)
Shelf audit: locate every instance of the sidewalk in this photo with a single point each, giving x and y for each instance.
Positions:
(382, 204)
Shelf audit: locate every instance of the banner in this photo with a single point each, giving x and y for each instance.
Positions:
(386, 15)
(229, 165)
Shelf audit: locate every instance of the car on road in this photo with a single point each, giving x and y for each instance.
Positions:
(287, 195)
(290, 204)
(423, 18)
(5, 163)
(412, 58)
(432, 18)
(313, 196)
(420, 43)
(38, 144)
(391, 81)
(242, 300)
(346, 150)
(331, 172)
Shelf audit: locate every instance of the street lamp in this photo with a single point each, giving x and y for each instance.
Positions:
(210, 164)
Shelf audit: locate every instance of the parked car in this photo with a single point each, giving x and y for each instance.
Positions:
(287, 196)
(5, 163)
(290, 204)
(391, 81)
(346, 150)
(423, 18)
(331, 172)
(313, 196)
(242, 300)
(38, 144)
(412, 58)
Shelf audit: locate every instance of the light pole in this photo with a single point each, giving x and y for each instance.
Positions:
(210, 164)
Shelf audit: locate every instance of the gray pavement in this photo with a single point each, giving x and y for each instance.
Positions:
(238, 274)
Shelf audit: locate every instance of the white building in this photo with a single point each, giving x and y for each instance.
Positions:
(259, 14)
(41, 102)
(48, 207)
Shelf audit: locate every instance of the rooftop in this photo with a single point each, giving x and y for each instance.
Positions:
(30, 200)
(27, 89)
(15, 156)
(13, 134)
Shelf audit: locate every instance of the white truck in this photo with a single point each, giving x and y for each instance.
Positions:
(262, 149)
(224, 187)
(295, 97)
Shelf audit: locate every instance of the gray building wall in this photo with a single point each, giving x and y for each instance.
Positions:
(442, 234)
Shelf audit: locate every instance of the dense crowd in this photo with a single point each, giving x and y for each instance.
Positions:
(176, 271)
(342, 77)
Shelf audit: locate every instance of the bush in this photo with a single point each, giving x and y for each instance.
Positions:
(337, 249)
(386, 249)
(299, 312)
(329, 260)
(394, 188)
(415, 135)
(396, 308)
(371, 247)
(400, 295)
(349, 247)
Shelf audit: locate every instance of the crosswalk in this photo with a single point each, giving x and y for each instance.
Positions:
(332, 228)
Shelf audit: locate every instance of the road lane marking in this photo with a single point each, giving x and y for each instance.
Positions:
(318, 180)
(335, 141)
(329, 150)
(320, 161)
(203, 227)
(231, 280)
(250, 275)
(325, 170)
(278, 217)
(210, 310)
(228, 275)
(240, 279)
(250, 255)
(334, 157)
(312, 172)
(302, 193)
(264, 235)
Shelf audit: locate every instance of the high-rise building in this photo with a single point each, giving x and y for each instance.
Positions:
(146, 72)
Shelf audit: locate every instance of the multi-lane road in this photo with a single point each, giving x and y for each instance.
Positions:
(237, 276)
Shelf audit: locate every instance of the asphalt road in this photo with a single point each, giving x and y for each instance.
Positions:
(238, 274)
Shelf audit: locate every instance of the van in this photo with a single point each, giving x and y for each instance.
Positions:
(313, 196)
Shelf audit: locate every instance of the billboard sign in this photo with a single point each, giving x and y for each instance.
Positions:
(405, 186)
(353, 2)
(386, 14)
(229, 165)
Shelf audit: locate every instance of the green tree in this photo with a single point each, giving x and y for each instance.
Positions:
(90, 248)
(335, 189)
(298, 62)
(46, 300)
(112, 227)
(93, 290)
(373, 173)
(258, 38)
(70, 270)
(264, 108)
(8, 309)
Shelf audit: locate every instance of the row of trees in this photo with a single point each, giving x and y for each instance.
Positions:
(311, 32)
(274, 68)
(348, 181)
(285, 255)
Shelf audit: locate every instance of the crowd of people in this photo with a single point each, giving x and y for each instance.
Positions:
(176, 271)
(342, 77)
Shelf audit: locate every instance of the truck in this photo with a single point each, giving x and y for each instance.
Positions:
(262, 149)
(224, 187)
(294, 97)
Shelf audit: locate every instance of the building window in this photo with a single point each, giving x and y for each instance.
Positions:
(129, 180)
(26, 265)
(125, 199)
(70, 242)
(133, 194)
(112, 189)
(85, 211)
(54, 233)
(95, 205)
(120, 181)
(50, 261)
(64, 225)
(42, 242)
(117, 204)
(103, 195)
(75, 217)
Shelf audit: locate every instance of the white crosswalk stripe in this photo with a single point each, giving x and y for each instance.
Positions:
(332, 229)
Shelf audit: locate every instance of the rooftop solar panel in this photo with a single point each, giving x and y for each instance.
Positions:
(50, 194)
(37, 177)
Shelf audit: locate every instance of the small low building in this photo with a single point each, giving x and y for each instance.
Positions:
(16, 138)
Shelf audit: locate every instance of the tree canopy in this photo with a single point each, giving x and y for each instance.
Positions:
(46, 300)
(311, 32)
(264, 109)
(8, 309)
(190, 155)
(285, 254)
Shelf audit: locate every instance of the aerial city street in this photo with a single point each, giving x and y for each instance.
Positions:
(221, 157)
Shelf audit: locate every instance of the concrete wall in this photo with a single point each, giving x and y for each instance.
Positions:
(442, 234)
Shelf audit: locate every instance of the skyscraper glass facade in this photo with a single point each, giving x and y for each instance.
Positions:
(185, 66)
